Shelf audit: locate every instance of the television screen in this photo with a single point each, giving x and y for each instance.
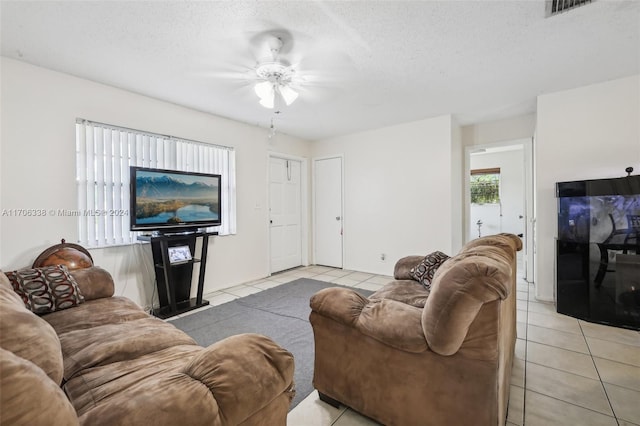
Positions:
(165, 199)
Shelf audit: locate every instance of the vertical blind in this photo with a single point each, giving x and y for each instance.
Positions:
(103, 156)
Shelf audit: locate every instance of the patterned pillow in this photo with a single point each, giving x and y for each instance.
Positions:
(46, 289)
(423, 271)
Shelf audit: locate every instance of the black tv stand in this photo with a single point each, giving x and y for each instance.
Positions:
(173, 280)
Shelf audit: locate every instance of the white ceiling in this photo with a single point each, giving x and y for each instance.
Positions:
(367, 64)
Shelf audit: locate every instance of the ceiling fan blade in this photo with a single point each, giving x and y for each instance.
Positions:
(237, 72)
(226, 75)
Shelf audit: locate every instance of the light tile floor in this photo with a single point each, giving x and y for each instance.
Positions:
(566, 371)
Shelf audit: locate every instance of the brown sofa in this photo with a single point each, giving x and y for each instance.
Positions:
(409, 356)
(107, 362)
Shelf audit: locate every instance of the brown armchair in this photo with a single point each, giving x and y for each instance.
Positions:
(406, 356)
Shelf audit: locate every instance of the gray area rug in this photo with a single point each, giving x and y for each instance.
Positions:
(282, 313)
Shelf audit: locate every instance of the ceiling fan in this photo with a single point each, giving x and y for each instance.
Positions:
(275, 76)
(280, 66)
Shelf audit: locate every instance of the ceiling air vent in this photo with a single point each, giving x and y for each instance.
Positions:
(554, 7)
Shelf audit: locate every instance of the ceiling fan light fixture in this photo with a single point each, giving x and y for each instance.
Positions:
(276, 77)
(288, 94)
(264, 90)
(276, 71)
(267, 102)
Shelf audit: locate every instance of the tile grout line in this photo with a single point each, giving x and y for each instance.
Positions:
(568, 350)
(568, 372)
(526, 343)
(589, 354)
(604, 388)
(344, 410)
(573, 404)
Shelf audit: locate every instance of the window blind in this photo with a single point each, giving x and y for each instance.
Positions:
(103, 155)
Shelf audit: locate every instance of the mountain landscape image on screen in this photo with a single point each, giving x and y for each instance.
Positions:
(162, 198)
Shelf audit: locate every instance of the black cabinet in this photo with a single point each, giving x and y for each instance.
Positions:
(598, 251)
(572, 293)
(591, 289)
(174, 257)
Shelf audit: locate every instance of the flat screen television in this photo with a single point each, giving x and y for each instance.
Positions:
(173, 201)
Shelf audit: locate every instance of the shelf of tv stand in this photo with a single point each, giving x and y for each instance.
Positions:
(182, 263)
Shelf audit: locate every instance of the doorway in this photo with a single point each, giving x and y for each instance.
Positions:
(499, 194)
(286, 212)
(328, 211)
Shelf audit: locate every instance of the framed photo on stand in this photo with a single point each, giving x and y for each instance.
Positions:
(179, 254)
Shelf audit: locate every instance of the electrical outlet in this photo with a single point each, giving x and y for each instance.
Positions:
(383, 257)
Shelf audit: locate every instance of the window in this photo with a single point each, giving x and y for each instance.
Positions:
(103, 156)
(485, 186)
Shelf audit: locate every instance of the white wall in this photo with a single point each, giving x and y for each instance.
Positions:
(457, 185)
(586, 133)
(39, 108)
(399, 193)
(509, 129)
(511, 164)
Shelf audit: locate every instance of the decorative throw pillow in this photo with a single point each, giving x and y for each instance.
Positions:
(46, 289)
(423, 271)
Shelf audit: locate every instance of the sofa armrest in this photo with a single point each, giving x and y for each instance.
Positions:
(390, 322)
(404, 265)
(460, 288)
(340, 304)
(244, 373)
(29, 397)
(94, 282)
(510, 243)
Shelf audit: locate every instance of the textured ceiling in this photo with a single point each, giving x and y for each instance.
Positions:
(365, 64)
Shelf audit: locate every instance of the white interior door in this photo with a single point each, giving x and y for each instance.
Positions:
(328, 211)
(285, 214)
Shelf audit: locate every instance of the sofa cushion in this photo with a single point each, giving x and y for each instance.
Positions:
(93, 282)
(109, 343)
(46, 289)
(28, 397)
(402, 270)
(408, 292)
(94, 313)
(423, 271)
(26, 335)
(388, 321)
(96, 386)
